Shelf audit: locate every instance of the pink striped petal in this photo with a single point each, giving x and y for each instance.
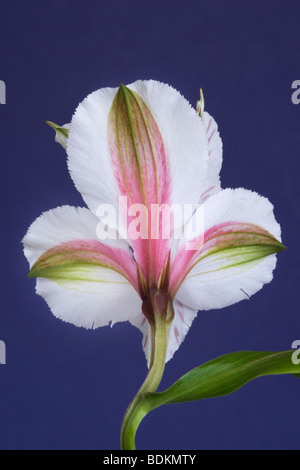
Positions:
(231, 243)
(141, 168)
(84, 281)
(236, 256)
(79, 260)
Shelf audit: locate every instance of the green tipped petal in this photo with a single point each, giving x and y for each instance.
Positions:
(200, 104)
(84, 260)
(61, 133)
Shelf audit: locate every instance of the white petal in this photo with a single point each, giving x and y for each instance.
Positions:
(215, 154)
(183, 134)
(140, 322)
(183, 319)
(113, 301)
(109, 297)
(89, 159)
(61, 225)
(241, 205)
(184, 138)
(208, 286)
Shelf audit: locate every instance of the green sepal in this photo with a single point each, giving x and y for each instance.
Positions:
(62, 133)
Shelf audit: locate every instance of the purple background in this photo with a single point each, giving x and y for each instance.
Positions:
(65, 387)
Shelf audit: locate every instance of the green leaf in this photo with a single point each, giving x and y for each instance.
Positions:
(224, 375)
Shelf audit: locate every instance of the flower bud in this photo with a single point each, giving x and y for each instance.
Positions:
(61, 133)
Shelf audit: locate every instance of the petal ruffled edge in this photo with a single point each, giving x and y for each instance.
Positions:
(215, 156)
(222, 277)
(89, 160)
(183, 132)
(184, 138)
(110, 297)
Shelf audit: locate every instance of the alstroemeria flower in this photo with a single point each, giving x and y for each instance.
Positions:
(146, 143)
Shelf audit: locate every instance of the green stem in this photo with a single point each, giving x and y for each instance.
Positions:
(138, 408)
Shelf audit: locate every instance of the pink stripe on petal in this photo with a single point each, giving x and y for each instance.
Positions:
(141, 170)
(86, 252)
(209, 124)
(217, 238)
(206, 194)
